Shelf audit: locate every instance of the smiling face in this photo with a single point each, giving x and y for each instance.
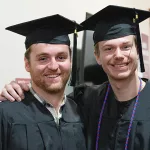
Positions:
(49, 66)
(118, 57)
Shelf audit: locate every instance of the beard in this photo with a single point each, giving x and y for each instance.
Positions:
(48, 87)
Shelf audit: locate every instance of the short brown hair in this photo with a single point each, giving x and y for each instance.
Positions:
(27, 53)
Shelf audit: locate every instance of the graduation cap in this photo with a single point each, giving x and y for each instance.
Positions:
(114, 22)
(53, 30)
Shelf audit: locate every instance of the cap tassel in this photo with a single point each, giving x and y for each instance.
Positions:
(139, 42)
(74, 61)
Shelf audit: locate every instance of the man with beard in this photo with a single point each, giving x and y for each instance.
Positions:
(45, 119)
(116, 113)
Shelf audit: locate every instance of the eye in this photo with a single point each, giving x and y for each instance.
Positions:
(127, 47)
(43, 58)
(61, 58)
(107, 48)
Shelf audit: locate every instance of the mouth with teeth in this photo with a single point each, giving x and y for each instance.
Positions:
(120, 66)
(52, 76)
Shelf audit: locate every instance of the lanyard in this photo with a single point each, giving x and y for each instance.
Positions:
(131, 119)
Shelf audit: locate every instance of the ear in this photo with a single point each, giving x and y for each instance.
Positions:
(27, 64)
(97, 57)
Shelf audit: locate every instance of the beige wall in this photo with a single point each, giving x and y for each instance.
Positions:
(16, 11)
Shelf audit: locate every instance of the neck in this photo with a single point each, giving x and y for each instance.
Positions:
(126, 89)
(55, 99)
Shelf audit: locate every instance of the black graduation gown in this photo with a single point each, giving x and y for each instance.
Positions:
(28, 125)
(114, 125)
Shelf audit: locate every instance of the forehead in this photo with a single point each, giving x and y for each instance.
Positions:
(125, 39)
(49, 48)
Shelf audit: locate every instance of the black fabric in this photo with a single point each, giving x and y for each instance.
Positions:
(114, 20)
(116, 31)
(44, 30)
(94, 73)
(46, 36)
(115, 122)
(28, 125)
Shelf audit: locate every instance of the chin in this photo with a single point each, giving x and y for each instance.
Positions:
(55, 87)
(120, 76)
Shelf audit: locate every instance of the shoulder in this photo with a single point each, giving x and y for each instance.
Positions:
(88, 90)
(8, 108)
(87, 93)
(148, 82)
(147, 86)
(14, 105)
(7, 105)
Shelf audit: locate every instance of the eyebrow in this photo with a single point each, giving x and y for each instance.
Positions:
(126, 42)
(41, 54)
(62, 53)
(106, 45)
(110, 44)
(46, 54)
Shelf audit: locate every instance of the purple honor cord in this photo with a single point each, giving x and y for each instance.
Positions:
(131, 120)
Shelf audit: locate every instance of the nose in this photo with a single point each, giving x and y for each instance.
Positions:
(118, 54)
(53, 64)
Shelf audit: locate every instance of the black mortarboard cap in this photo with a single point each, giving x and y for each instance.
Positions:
(115, 22)
(53, 30)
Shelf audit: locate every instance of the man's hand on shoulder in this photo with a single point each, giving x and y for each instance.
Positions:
(14, 91)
